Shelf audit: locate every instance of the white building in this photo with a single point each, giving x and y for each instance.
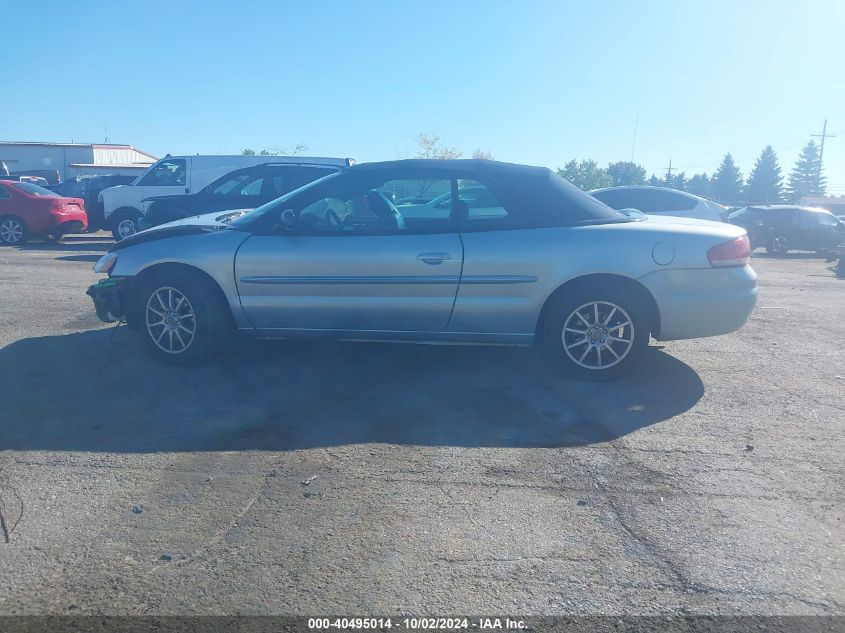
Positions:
(73, 159)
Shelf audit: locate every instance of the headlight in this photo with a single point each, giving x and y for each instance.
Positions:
(105, 263)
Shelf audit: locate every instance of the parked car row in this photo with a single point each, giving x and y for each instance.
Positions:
(781, 228)
(178, 176)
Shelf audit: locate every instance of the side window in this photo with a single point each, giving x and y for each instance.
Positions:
(615, 198)
(230, 186)
(483, 207)
(679, 202)
(825, 219)
(253, 188)
(659, 201)
(277, 186)
(166, 173)
(368, 206)
(408, 195)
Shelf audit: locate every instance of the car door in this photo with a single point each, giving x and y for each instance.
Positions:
(350, 264)
(503, 260)
(168, 177)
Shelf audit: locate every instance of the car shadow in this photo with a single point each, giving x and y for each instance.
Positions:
(98, 246)
(79, 258)
(100, 391)
(793, 255)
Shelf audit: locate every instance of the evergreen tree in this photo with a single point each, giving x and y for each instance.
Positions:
(699, 184)
(727, 181)
(654, 181)
(806, 178)
(765, 183)
(679, 181)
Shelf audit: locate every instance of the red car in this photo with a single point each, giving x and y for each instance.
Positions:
(27, 210)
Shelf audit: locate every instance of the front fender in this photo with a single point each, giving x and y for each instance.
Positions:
(211, 252)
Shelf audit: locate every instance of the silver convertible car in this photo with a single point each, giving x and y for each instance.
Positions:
(517, 255)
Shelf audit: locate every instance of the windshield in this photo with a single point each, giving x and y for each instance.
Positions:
(279, 203)
(35, 190)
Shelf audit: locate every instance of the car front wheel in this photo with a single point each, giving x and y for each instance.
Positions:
(596, 332)
(184, 318)
(12, 231)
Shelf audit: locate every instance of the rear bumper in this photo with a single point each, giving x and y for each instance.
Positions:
(702, 302)
(107, 295)
(71, 226)
(69, 222)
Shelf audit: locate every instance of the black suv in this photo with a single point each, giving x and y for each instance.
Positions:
(88, 188)
(245, 188)
(781, 228)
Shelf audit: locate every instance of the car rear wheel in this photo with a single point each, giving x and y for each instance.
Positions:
(184, 319)
(597, 332)
(777, 246)
(13, 230)
(124, 222)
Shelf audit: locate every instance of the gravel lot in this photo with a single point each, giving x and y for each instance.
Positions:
(300, 478)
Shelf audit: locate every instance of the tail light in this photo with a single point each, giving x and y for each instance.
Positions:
(734, 253)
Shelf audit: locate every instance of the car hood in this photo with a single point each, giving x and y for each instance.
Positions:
(205, 223)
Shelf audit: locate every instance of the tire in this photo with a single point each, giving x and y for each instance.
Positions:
(777, 246)
(124, 222)
(609, 350)
(13, 231)
(182, 317)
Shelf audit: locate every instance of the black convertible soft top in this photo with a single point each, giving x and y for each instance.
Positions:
(537, 191)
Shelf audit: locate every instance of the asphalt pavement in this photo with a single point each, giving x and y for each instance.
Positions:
(325, 478)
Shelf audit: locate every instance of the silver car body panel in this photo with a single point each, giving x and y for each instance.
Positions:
(473, 287)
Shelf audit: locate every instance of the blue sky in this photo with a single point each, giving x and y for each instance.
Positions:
(530, 81)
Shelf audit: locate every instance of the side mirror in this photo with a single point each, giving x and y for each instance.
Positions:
(634, 214)
(288, 219)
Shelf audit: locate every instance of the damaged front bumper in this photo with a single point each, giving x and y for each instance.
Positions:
(106, 295)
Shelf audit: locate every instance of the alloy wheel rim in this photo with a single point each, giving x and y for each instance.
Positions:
(171, 322)
(125, 228)
(779, 244)
(11, 231)
(598, 335)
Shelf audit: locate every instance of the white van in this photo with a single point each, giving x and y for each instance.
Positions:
(180, 175)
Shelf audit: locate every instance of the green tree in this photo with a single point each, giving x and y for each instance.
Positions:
(626, 173)
(726, 185)
(679, 181)
(586, 175)
(654, 181)
(247, 152)
(765, 183)
(805, 178)
(699, 185)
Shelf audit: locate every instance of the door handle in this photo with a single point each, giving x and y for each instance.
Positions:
(433, 258)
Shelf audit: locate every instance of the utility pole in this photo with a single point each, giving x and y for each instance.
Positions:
(669, 171)
(823, 136)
